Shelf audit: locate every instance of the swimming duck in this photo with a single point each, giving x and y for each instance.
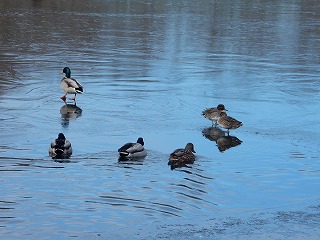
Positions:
(214, 113)
(133, 150)
(228, 122)
(60, 148)
(182, 156)
(70, 85)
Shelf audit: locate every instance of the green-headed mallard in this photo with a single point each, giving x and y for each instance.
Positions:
(60, 148)
(214, 113)
(182, 156)
(70, 85)
(133, 150)
(228, 122)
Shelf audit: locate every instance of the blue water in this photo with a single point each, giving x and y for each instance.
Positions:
(149, 69)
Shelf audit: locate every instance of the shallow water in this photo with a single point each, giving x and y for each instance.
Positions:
(148, 69)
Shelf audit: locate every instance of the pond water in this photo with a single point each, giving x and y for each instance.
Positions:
(149, 68)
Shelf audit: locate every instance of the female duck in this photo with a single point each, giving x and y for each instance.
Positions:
(228, 122)
(182, 156)
(214, 113)
(70, 85)
(60, 148)
(133, 150)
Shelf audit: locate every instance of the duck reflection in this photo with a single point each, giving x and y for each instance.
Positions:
(213, 133)
(224, 142)
(131, 161)
(69, 112)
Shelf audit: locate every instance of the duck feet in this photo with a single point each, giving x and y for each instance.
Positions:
(73, 98)
(64, 98)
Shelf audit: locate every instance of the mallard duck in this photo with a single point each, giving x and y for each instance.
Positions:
(182, 156)
(70, 85)
(133, 150)
(60, 148)
(214, 113)
(228, 122)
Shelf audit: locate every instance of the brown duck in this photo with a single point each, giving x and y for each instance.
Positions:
(214, 113)
(182, 156)
(228, 122)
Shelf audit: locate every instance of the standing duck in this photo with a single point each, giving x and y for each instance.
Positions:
(228, 122)
(60, 148)
(70, 85)
(133, 150)
(182, 156)
(214, 113)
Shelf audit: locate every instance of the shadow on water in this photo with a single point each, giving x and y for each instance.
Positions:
(69, 112)
(224, 142)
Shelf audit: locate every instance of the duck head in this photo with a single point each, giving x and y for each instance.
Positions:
(140, 140)
(221, 107)
(61, 136)
(190, 147)
(67, 72)
(223, 114)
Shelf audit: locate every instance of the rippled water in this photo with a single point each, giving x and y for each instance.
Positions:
(148, 69)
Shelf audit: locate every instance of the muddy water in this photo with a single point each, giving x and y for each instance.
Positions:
(148, 69)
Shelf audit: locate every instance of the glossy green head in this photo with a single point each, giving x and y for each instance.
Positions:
(67, 71)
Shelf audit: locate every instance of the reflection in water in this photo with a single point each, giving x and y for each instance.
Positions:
(227, 142)
(213, 133)
(151, 67)
(177, 164)
(223, 142)
(69, 112)
(131, 161)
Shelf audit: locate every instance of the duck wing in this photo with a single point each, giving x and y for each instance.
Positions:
(136, 147)
(71, 83)
(178, 152)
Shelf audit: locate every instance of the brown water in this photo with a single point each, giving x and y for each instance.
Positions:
(148, 69)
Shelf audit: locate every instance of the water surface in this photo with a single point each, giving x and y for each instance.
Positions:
(148, 69)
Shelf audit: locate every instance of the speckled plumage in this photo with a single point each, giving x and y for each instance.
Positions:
(214, 113)
(182, 156)
(228, 122)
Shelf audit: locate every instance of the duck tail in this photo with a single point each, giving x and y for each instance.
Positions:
(79, 89)
(123, 154)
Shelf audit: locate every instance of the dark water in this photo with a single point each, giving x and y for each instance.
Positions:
(148, 69)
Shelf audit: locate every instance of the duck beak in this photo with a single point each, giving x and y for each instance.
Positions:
(61, 72)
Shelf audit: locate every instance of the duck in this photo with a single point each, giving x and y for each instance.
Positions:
(60, 148)
(214, 113)
(228, 122)
(182, 156)
(70, 85)
(133, 150)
